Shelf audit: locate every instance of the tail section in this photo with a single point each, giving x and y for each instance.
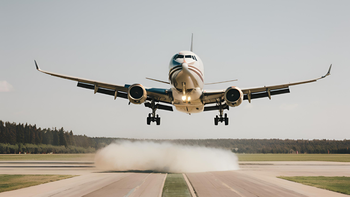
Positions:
(192, 43)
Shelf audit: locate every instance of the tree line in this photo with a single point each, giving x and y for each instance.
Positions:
(15, 138)
(274, 145)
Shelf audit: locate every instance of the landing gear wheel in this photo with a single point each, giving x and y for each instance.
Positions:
(149, 118)
(226, 119)
(216, 120)
(158, 120)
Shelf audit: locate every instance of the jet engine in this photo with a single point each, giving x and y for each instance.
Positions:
(137, 94)
(233, 96)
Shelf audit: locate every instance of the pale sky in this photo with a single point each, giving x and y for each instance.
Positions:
(122, 42)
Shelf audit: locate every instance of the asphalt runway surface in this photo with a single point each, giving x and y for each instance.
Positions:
(253, 179)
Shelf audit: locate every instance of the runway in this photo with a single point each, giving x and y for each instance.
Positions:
(253, 179)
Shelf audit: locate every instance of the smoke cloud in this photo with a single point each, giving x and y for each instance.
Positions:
(164, 157)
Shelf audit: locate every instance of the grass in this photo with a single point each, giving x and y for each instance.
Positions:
(175, 186)
(47, 157)
(336, 184)
(241, 157)
(294, 157)
(12, 182)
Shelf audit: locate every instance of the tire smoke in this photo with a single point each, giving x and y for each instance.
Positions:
(164, 157)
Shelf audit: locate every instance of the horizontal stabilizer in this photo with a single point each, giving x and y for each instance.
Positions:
(160, 81)
(220, 82)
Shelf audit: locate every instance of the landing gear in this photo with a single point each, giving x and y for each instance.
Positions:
(218, 119)
(152, 117)
(221, 118)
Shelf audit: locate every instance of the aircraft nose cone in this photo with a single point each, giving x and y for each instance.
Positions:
(185, 65)
(185, 68)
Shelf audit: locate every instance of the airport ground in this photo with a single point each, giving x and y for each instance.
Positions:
(254, 178)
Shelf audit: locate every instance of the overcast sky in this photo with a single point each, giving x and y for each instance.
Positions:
(122, 42)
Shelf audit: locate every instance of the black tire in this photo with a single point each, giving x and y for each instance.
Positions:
(216, 120)
(226, 120)
(148, 120)
(158, 120)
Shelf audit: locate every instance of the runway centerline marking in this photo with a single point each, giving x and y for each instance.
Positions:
(135, 188)
(224, 184)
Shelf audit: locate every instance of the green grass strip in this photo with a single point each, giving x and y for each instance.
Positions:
(47, 157)
(336, 184)
(175, 186)
(12, 182)
(294, 157)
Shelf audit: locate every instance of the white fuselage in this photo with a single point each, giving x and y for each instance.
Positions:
(186, 75)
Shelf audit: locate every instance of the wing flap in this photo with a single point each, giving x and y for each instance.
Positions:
(103, 90)
(266, 94)
(159, 106)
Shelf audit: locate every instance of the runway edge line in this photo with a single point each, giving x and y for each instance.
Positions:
(161, 188)
(189, 185)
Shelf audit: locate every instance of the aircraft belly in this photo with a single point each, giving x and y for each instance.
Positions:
(189, 108)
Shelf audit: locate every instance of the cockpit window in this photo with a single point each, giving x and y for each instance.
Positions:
(177, 56)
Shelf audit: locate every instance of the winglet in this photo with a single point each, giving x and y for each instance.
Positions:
(36, 65)
(329, 71)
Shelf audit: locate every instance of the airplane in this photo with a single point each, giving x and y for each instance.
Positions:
(186, 94)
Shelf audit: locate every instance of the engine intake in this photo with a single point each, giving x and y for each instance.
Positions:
(233, 96)
(137, 94)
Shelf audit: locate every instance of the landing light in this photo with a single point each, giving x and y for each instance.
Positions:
(184, 98)
(188, 98)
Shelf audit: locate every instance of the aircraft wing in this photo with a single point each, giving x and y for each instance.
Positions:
(258, 92)
(157, 94)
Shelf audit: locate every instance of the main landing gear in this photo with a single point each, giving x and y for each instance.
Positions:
(221, 118)
(152, 117)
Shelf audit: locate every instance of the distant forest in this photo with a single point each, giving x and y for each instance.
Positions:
(26, 138)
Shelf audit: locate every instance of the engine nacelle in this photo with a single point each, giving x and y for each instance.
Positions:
(137, 94)
(233, 96)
